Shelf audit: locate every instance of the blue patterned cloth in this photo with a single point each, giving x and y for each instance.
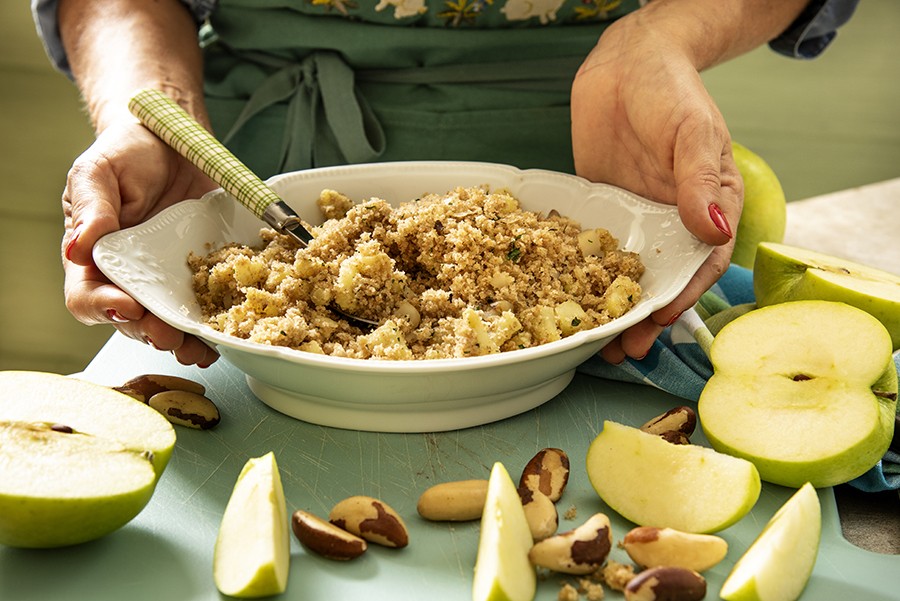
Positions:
(678, 364)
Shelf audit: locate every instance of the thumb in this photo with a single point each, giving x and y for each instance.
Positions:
(92, 205)
(709, 192)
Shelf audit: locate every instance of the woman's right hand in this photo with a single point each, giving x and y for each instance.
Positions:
(126, 176)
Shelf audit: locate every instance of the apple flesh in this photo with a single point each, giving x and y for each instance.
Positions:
(252, 553)
(805, 390)
(779, 563)
(783, 273)
(764, 216)
(77, 460)
(503, 571)
(653, 482)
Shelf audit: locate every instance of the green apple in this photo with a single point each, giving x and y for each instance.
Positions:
(503, 571)
(764, 215)
(252, 552)
(77, 460)
(787, 273)
(780, 561)
(653, 482)
(806, 390)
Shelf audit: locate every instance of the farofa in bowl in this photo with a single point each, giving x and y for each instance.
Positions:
(460, 274)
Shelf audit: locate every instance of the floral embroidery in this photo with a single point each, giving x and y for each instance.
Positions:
(462, 11)
(479, 13)
(404, 8)
(342, 6)
(595, 9)
(521, 10)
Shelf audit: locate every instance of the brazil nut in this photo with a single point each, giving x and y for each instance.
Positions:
(579, 551)
(651, 547)
(186, 409)
(679, 419)
(370, 519)
(145, 386)
(459, 501)
(666, 584)
(547, 472)
(540, 513)
(325, 538)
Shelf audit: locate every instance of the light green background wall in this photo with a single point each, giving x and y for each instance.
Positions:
(823, 125)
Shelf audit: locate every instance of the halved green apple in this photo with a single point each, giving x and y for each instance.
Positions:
(783, 273)
(503, 571)
(77, 460)
(653, 482)
(780, 561)
(252, 552)
(806, 390)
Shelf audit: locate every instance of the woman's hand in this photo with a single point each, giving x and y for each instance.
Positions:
(126, 176)
(642, 120)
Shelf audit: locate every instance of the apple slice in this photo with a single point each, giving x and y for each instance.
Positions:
(653, 482)
(77, 460)
(503, 571)
(784, 273)
(780, 561)
(252, 552)
(806, 390)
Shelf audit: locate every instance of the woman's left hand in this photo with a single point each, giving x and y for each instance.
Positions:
(643, 120)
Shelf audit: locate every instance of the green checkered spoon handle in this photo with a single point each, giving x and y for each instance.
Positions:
(162, 115)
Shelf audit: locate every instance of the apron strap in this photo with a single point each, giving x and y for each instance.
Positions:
(324, 107)
(328, 116)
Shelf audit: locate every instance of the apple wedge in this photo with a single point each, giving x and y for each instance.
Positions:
(783, 273)
(777, 566)
(252, 553)
(503, 571)
(653, 482)
(77, 460)
(806, 390)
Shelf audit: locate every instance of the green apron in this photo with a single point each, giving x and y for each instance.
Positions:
(290, 89)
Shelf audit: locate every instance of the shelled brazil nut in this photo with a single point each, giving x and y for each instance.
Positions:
(371, 519)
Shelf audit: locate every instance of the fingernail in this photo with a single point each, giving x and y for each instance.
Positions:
(71, 244)
(642, 357)
(149, 341)
(674, 319)
(718, 219)
(114, 316)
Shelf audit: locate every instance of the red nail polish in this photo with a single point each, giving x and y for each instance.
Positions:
(71, 244)
(149, 341)
(718, 219)
(674, 319)
(114, 316)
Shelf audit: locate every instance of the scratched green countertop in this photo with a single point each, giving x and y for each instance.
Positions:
(166, 552)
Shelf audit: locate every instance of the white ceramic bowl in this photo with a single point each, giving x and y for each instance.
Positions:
(149, 262)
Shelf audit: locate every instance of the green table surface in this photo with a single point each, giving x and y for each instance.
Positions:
(166, 552)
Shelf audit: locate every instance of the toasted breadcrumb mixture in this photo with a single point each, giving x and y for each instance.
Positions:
(451, 275)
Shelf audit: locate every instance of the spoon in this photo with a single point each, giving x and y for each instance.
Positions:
(174, 126)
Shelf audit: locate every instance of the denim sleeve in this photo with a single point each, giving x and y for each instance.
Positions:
(47, 25)
(814, 29)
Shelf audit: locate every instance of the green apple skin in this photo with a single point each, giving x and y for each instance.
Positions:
(764, 216)
(805, 390)
(783, 273)
(252, 554)
(503, 571)
(60, 488)
(652, 482)
(779, 563)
